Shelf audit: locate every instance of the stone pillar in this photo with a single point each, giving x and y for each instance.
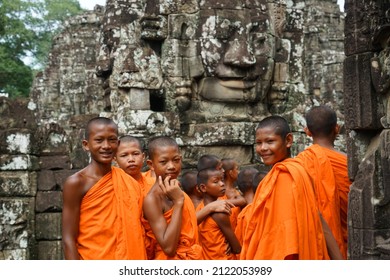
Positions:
(18, 176)
(366, 95)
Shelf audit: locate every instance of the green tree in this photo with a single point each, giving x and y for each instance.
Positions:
(27, 28)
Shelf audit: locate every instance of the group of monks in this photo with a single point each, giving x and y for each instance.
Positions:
(296, 210)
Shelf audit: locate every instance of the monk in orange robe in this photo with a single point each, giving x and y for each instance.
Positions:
(102, 205)
(216, 233)
(231, 170)
(188, 247)
(247, 181)
(328, 169)
(130, 157)
(169, 214)
(283, 221)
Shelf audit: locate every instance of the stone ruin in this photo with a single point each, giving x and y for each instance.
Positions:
(205, 74)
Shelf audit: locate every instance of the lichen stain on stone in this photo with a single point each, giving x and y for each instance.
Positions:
(18, 142)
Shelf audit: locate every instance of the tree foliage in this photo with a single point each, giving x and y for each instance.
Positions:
(26, 31)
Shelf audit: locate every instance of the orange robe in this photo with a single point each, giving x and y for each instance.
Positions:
(110, 219)
(340, 171)
(328, 170)
(213, 241)
(148, 181)
(242, 222)
(284, 218)
(188, 247)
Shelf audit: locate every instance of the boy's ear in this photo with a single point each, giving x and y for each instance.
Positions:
(150, 164)
(289, 140)
(307, 131)
(202, 188)
(85, 145)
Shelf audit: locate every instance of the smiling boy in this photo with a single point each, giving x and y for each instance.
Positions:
(283, 222)
(169, 213)
(102, 205)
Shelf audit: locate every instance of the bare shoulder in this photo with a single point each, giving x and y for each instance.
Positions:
(78, 184)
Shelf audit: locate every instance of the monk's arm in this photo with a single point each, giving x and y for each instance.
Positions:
(72, 197)
(238, 201)
(331, 243)
(167, 235)
(218, 206)
(223, 221)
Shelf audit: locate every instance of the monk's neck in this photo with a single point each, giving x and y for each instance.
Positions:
(323, 142)
(100, 169)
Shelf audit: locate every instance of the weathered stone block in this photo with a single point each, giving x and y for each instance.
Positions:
(139, 99)
(16, 141)
(61, 175)
(357, 143)
(219, 134)
(16, 223)
(18, 162)
(17, 254)
(359, 25)
(55, 162)
(362, 243)
(48, 201)
(46, 180)
(361, 101)
(48, 226)
(242, 154)
(16, 114)
(18, 183)
(50, 250)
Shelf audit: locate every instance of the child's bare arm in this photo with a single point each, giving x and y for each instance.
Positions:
(217, 206)
(223, 221)
(167, 235)
(72, 196)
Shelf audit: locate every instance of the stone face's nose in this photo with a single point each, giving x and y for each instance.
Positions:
(239, 54)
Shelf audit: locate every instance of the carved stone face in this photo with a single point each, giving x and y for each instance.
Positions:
(236, 47)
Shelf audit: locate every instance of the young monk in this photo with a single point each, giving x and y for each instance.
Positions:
(328, 169)
(283, 222)
(248, 179)
(216, 233)
(102, 205)
(221, 205)
(245, 181)
(169, 213)
(131, 158)
(190, 187)
(231, 168)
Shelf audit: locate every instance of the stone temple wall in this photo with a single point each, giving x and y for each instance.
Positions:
(367, 111)
(203, 72)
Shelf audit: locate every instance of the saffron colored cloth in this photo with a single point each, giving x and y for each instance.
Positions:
(213, 241)
(110, 220)
(188, 247)
(340, 171)
(242, 222)
(284, 219)
(147, 181)
(328, 170)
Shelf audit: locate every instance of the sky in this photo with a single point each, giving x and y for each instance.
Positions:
(90, 4)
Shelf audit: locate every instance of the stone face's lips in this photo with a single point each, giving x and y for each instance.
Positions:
(227, 90)
(239, 84)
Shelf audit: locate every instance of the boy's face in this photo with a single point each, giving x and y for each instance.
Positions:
(215, 186)
(102, 142)
(130, 158)
(166, 162)
(271, 147)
